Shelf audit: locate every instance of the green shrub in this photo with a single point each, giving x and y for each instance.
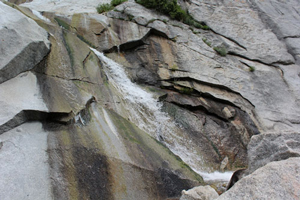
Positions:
(168, 7)
(221, 50)
(101, 8)
(172, 9)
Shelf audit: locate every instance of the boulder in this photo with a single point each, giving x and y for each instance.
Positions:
(276, 180)
(23, 43)
(269, 147)
(199, 193)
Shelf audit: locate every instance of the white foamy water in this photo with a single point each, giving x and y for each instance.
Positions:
(216, 176)
(40, 16)
(146, 112)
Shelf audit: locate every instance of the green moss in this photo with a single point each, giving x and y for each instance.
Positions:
(69, 49)
(62, 23)
(86, 41)
(149, 148)
(216, 149)
(221, 50)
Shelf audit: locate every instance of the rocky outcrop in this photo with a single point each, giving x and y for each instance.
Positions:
(283, 21)
(211, 103)
(199, 193)
(276, 180)
(242, 25)
(23, 45)
(58, 120)
(270, 147)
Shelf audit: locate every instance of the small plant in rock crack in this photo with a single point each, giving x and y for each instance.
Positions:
(251, 68)
(221, 50)
(101, 8)
(186, 90)
(206, 42)
(174, 67)
(174, 10)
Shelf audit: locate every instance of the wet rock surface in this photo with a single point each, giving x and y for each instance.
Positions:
(229, 111)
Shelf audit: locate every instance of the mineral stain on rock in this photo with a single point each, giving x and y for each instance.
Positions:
(77, 171)
(171, 184)
(92, 173)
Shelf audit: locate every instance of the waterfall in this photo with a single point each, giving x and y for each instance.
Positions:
(145, 111)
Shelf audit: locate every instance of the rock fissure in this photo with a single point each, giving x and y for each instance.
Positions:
(200, 108)
(293, 36)
(230, 39)
(219, 104)
(44, 116)
(33, 115)
(209, 84)
(69, 79)
(274, 65)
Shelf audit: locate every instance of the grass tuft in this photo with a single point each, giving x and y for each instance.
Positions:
(101, 8)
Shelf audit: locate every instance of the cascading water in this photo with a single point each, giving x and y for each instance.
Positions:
(146, 112)
(39, 15)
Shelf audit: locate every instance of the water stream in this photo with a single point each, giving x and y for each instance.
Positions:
(145, 111)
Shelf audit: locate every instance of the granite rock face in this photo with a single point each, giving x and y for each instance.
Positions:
(270, 147)
(23, 43)
(276, 180)
(239, 22)
(58, 120)
(215, 104)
